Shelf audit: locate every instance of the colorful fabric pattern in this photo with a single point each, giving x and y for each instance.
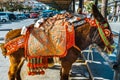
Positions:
(14, 45)
(53, 42)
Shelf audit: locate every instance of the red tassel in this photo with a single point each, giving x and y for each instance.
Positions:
(42, 72)
(28, 64)
(31, 73)
(35, 63)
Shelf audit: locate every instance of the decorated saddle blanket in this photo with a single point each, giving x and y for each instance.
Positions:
(14, 45)
(51, 39)
(53, 36)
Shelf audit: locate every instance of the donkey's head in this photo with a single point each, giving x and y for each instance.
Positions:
(101, 34)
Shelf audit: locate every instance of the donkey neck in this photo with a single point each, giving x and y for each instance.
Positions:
(82, 39)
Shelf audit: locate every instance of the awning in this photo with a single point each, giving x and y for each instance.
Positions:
(58, 4)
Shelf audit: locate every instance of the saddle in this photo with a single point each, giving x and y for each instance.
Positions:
(51, 42)
(54, 36)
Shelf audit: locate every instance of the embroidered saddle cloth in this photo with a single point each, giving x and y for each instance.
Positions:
(51, 39)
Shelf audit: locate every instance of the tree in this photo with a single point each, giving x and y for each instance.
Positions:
(28, 8)
(1, 4)
(104, 8)
(19, 7)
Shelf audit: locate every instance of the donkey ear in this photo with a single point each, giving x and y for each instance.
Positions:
(98, 16)
(96, 13)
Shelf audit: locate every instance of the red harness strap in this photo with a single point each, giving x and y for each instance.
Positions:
(14, 45)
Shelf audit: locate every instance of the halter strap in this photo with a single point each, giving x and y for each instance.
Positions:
(102, 34)
(103, 37)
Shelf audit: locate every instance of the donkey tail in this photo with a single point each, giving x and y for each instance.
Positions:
(4, 52)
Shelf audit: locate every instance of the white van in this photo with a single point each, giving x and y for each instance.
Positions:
(4, 17)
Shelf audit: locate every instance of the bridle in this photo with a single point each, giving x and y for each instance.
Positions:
(104, 33)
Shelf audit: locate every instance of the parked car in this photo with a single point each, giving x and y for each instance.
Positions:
(48, 13)
(20, 16)
(4, 17)
(34, 15)
(12, 16)
(27, 15)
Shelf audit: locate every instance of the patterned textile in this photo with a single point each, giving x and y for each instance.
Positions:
(37, 65)
(52, 42)
(52, 37)
(14, 45)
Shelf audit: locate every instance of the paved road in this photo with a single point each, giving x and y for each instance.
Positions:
(99, 66)
(115, 26)
(17, 24)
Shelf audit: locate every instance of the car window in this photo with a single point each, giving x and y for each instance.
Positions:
(2, 14)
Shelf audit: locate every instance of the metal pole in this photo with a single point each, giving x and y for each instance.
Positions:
(117, 68)
(73, 6)
(81, 5)
(116, 75)
(118, 50)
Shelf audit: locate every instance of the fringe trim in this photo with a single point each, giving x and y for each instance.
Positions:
(37, 65)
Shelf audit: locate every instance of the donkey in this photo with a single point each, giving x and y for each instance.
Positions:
(85, 35)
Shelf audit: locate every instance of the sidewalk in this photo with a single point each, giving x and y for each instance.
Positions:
(115, 26)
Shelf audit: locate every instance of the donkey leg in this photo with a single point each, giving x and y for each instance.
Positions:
(12, 71)
(16, 62)
(67, 62)
(18, 77)
(19, 57)
(64, 72)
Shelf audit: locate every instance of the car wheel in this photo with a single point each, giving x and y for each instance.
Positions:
(4, 21)
(12, 19)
